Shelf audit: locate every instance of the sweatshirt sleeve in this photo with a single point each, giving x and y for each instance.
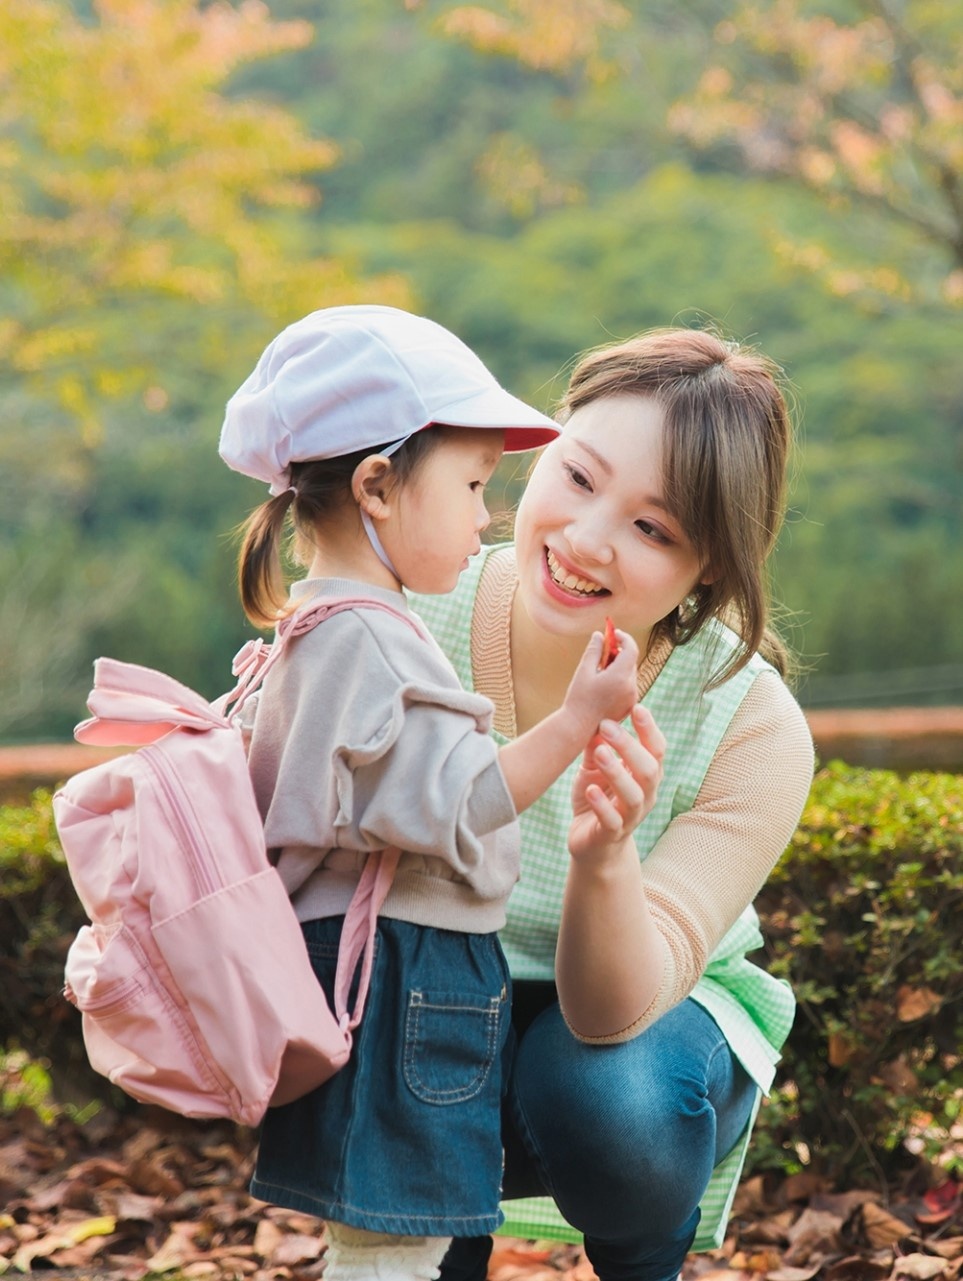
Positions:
(712, 860)
(427, 781)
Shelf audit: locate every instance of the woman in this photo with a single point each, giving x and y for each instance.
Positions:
(643, 1035)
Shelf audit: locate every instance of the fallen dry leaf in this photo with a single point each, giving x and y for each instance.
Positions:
(880, 1227)
(898, 1076)
(758, 1261)
(949, 1248)
(177, 1250)
(202, 1225)
(921, 1267)
(858, 1268)
(842, 1049)
(916, 1002)
(294, 1248)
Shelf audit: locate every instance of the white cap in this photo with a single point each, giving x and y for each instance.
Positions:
(351, 378)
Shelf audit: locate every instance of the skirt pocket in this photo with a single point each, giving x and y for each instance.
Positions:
(451, 1042)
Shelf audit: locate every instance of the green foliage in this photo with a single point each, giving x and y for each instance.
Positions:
(39, 915)
(536, 212)
(863, 917)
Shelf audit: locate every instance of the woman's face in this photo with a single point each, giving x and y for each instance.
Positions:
(593, 535)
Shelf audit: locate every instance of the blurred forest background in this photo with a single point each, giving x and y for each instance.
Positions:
(180, 179)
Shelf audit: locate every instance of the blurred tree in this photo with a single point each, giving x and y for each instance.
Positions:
(864, 105)
(550, 35)
(152, 237)
(131, 177)
(861, 101)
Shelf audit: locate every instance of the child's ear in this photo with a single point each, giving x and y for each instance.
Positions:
(371, 485)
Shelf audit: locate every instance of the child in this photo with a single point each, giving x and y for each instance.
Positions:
(377, 432)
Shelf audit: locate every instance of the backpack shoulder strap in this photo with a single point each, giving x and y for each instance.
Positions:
(358, 934)
(254, 660)
(251, 665)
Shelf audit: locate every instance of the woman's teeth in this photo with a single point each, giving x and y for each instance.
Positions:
(571, 583)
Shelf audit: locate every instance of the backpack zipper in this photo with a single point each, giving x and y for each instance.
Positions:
(203, 864)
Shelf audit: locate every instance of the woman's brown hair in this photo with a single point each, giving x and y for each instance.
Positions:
(727, 440)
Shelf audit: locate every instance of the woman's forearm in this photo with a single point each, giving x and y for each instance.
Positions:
(610, 957)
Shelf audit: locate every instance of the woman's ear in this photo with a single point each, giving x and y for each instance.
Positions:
(371, 485)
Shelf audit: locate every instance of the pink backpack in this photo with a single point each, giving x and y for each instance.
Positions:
(193, 977)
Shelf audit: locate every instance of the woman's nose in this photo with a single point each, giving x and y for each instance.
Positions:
(589, 537)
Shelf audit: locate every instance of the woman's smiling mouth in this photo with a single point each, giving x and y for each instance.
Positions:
(571, 582)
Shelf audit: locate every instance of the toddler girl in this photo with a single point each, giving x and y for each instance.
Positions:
(377, 431)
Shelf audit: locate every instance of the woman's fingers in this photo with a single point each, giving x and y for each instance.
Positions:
(625, 788)
(607, 814)
(620, 774)
(649, 733)
(641, 753)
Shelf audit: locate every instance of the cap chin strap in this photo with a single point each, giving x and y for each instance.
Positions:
(375, 542)
(368, 523)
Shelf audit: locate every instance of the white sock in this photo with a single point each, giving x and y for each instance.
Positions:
(355, 1254)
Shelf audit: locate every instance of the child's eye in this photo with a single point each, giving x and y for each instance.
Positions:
(476, 486)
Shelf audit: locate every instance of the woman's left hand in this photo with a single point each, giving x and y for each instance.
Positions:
(616, 785)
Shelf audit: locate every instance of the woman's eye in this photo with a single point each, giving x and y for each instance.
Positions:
(577, 477)
(652, 531)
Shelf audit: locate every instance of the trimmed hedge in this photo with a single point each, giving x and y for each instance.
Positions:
(39, 916)
(862, 915)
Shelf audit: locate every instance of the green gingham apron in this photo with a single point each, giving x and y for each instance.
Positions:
(753, 1010)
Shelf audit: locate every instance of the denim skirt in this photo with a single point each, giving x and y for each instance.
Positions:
(406, 1137)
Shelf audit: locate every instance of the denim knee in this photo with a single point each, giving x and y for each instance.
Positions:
(622, 1135)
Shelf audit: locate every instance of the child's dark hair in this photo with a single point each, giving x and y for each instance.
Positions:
(319, 487)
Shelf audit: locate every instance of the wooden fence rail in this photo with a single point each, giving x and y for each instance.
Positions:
(900, 738)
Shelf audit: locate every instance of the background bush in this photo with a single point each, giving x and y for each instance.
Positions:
(39, 916)
(862, 916)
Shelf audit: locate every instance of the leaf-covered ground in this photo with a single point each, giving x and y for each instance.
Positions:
(122, 1198)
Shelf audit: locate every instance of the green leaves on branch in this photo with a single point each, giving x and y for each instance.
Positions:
(863, 917)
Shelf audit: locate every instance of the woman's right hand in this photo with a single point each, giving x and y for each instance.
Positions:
(596, 695)
(616, 786)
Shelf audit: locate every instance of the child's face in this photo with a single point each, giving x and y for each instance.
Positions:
(437, 516)
(593, 534)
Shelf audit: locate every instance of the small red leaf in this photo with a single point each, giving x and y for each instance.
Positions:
(610, 645)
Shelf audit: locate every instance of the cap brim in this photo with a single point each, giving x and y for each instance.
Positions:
(524, 427)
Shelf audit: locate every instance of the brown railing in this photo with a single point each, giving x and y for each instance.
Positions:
(901, 738)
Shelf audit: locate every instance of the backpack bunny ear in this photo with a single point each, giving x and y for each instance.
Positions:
(134, 705)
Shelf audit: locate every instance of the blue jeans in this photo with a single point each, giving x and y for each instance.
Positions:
(624, 1137)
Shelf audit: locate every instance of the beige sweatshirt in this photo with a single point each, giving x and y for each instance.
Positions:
(363, 738)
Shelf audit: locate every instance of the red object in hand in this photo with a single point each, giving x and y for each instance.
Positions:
(610, 645)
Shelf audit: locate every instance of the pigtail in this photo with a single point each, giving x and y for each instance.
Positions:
(259, 571)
